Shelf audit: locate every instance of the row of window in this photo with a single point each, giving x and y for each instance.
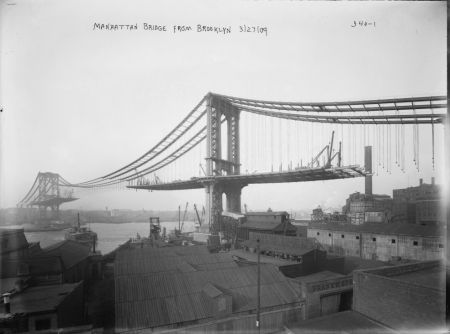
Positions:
(393, 241)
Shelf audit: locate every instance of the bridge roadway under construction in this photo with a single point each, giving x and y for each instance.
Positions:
(242, 180)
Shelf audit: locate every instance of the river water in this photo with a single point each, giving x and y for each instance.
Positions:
(109, 235)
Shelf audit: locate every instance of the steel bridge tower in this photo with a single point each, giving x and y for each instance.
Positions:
(217, 112)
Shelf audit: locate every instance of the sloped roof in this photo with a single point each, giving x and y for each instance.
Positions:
(268, 225)
(71, 252)
(286, 249)
(266, 213)
(341, 322)
(171, 259)
(281, 243)
(34, 266)
(383, 228)
(164, 298)
(147, 296)
(40, 298)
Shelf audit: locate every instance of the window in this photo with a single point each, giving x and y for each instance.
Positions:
(393, 241)
(374, 239)
(318, 233)
(415, 243)
(357, 237)
(41, 324)
(342, 236)
(329, 234)
(441, 246)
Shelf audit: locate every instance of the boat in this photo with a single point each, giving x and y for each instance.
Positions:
(82, 235)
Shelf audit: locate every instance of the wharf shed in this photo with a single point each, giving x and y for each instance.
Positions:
(266, 222)
(302, 256)
(193, 291)
(384, 242)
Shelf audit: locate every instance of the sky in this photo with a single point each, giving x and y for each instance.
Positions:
(83, 102)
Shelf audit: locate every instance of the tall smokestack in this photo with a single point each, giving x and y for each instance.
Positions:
(432, 181)
(368, 168)
(420, 182)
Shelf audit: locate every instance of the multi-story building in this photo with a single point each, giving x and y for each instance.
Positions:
(419, 205)
(319, 216)
(368, 208)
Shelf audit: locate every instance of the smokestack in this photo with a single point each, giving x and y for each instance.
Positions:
(6, 301)
(368, 168)
(432, 181)
(420, 182)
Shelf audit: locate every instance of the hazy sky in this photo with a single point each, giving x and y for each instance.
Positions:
(82, 102)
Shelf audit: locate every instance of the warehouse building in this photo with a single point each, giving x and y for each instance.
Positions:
(384, 242)
(407, 298)
(188, 289)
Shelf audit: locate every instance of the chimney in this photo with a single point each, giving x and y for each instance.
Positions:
(368, 168)
(420, 182)
(432, 180)
(6, 301)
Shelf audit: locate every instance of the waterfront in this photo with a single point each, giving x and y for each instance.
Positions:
(109, 235)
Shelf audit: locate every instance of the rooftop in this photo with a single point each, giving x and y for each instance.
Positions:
(431, 278)
(266, 213)
(383, 228)
(285, 249)
(430, 274)
(320, 276)
(268, 225)
(152, 290)
(170, 259)
(253, 257)
(10, 231)
(70, 252)
(40, 298)
(347, 322)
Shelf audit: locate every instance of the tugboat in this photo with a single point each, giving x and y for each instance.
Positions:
(82, 235)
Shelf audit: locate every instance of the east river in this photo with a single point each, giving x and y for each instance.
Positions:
(109, 235)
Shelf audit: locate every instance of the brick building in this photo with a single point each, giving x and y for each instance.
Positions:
(400, 299)
(419, 205)
(376, 241)
(368, 208)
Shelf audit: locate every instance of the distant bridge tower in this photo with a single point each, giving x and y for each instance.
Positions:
(45, 193)
(217, 112)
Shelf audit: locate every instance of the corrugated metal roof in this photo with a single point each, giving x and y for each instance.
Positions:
(71, 252)
(41, 298)
(157, 298)
(154, 260)
(383, 228)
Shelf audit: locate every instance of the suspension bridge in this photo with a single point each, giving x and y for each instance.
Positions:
(255, 141)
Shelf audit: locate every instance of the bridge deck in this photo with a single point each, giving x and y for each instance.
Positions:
(53, 201)
(300, 175)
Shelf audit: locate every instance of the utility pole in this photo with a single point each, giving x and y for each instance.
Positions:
(258, 320)
(179, 217)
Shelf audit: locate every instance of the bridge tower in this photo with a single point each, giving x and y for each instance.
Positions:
(48, 189)
(217, 112)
